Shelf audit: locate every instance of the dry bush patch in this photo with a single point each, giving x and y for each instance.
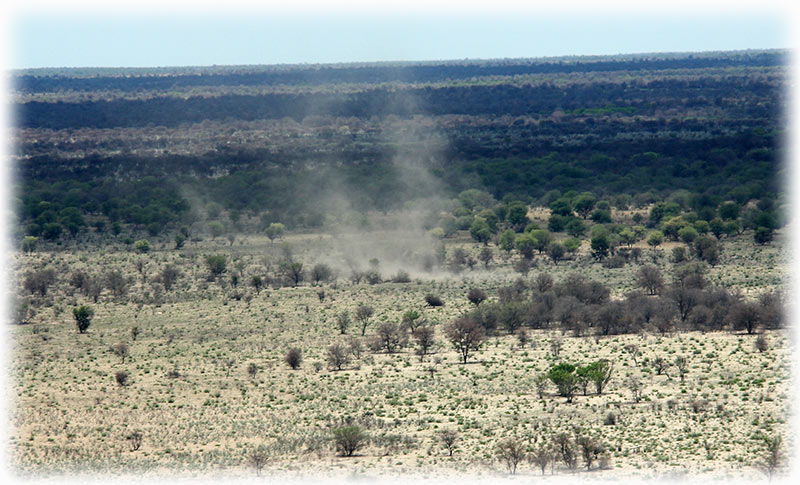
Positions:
(71, 416)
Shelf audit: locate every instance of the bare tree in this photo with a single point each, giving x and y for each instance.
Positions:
(466, 335)
(390, 336)
(448, 437)
(363, 314)
(650, 279)
(168, 276)
(121, 350)
(682, 364)
(425, 339)
(633, 350)
(257, 459)
(636, 387)
(541, 457)
(338, 356)
(590, 448)
(773, 457)
(566, 450)
(511, 451)
(342, 322)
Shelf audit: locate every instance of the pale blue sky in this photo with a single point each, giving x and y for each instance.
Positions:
(144, 40)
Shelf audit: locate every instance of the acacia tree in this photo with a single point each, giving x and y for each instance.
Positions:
(275, 231)
(466, 335)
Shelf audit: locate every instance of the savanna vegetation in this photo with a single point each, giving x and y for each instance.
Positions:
(560, 266)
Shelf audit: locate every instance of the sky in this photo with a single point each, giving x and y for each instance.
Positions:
(181, 33)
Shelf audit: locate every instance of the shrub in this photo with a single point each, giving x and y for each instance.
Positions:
(761, 343)
(142, 245)
(349, 439)
(476, 296)
(433, 300)
(39, 281)
(121, 377)
(217, 264)
(294, 357)
(136, 440)
(401, 277)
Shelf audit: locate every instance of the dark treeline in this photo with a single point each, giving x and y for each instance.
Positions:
(714, 133)
(317, 75)
(641, 98)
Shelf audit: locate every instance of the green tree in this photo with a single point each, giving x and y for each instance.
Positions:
(525, 244)
(556, 252)
(688, 234)
(598, 372)
(572, 244)
(600, 242)
(275, 231)
(217, 264)
(83, 317)
(480, 231)
(142, 245)
(507, 240)
(29, 244)
(542, 238)
(349, 439)
(564, 377)
(654, 239)
(762, 235)
(215, 228)
(517, 214)
(584, 204)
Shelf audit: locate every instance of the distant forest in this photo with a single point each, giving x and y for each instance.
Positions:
(95, 148)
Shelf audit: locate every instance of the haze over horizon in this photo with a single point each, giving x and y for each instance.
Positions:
(87, 39)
